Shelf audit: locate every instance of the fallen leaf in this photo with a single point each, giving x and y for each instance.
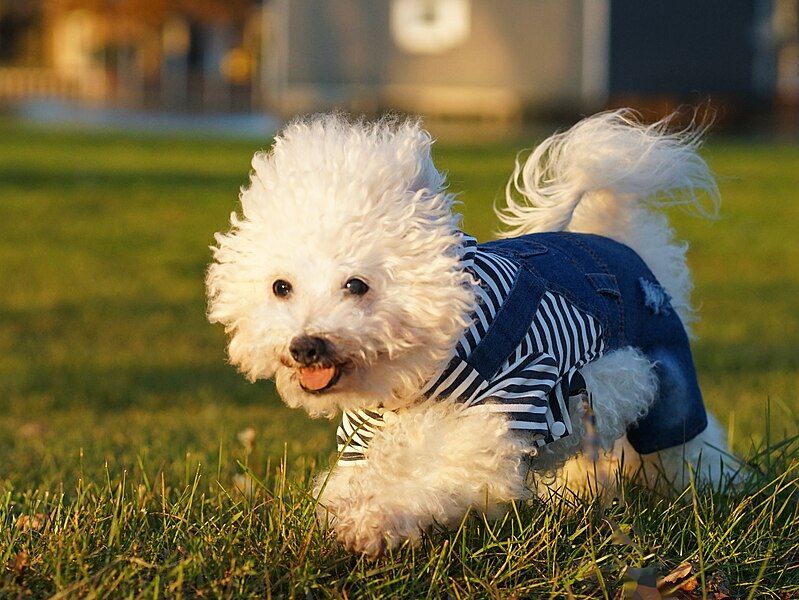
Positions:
(20, 563)
(683, 584)
(719, 587)
(681, 579)
(30, 522)
(644, 592)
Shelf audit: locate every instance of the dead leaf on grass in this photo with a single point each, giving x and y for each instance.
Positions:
(20, 563)
(683, 584)
(682, 579)
(30, 522)
(719, 587)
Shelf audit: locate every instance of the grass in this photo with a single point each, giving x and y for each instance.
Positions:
(119, 453)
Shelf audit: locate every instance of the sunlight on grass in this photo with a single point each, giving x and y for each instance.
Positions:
(120, 415)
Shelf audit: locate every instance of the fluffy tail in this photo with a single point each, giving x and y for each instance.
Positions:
(607, 175)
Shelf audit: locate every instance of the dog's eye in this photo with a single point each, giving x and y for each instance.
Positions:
(356, 287)
(281, 288)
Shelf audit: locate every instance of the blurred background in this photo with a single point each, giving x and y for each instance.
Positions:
(127, 128)
(250, 63)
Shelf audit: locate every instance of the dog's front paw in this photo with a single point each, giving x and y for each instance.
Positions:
(367, 539)
(364, 527)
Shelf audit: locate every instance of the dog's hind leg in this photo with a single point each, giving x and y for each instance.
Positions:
(705, 459)
(623, 386)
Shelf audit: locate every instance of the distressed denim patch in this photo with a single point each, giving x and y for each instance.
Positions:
(656, 298)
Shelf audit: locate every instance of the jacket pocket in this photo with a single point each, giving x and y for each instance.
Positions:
(604, 283)
(529, 249)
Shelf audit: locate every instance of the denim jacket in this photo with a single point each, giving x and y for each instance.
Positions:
(610, 282)
(549, 304)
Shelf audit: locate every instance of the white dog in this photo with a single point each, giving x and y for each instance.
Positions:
(463, 371)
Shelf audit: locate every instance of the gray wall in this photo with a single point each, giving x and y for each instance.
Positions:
(522, 51)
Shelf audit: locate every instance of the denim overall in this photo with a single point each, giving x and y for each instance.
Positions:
(612, 283)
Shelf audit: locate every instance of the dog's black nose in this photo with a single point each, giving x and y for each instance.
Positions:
(308, 349)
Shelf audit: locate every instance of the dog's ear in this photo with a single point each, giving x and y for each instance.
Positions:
(425, 175)
(428, 176)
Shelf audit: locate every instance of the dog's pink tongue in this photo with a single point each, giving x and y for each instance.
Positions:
(316, 378)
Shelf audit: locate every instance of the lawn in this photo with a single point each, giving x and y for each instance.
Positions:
(121, 459)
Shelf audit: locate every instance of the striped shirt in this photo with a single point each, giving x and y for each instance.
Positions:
(531, 385)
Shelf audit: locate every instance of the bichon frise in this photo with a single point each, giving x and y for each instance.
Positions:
(469, 375)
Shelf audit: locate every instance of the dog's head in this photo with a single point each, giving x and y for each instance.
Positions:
(341, 276)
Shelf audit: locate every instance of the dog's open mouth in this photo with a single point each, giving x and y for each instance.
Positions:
(318, 378)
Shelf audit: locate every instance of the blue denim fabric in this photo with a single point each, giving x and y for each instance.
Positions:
(612, 283)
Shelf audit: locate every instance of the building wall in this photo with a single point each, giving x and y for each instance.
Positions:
(518, 53)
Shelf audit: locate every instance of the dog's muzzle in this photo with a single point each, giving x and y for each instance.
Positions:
(318, 369)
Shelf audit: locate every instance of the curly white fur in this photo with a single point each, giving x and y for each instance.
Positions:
(704, 460)
(433, 463)
(335, 199)
(604, 176)
(623, 387)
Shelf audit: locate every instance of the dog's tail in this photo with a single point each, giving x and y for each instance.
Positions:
(607, 175)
